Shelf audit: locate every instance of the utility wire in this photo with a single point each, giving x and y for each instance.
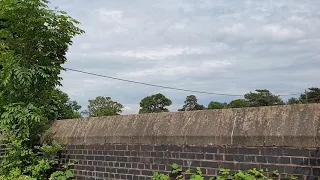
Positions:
(165, 87)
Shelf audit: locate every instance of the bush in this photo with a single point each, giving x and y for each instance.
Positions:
(225, 174)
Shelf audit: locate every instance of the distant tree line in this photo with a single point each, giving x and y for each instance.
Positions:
(157, 103)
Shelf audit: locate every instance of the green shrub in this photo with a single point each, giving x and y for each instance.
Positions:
(225, 174)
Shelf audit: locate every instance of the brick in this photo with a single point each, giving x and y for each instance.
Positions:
(262, 159)
(177, 161)
(146, 148)
(242, 151)
(160, 148)
(133, 153)
(314, 162)
(218, 157)
(146, 173)
(89, 157)
(228, 158)
(315, 153)
(134, 165)
(71, 147)
(159, 154)
(297, 161)
(101, 169)
(209, 156)
(272, 168)
(123, 171)
(134, 172)
(122, 159)
(199, 156)
(162, 167)
(245, 166)
(221, 150)
(184, 155)
(284, 160)
(250, 159)
(209, 149)
(209, 164)
(316, 171)
(122, 164)
(121, 147)
(253, 151)
(211, 171)
(272, 152)
(296, 152)
(232, 150)
(175, 148)
(134, 148)
(238, 158)
(273, 160)
(128, 165)
(191, 149)
(80, 157)
(99, 158)
(141, 166)
(312, 178)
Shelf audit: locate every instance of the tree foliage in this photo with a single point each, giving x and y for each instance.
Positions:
(154, 104)
(217, 105)
(34, 42)
(312, 96)
(238, 103)
(191, 104)
(293, 101)
(103, 106)
(262, 97)
(63, 107)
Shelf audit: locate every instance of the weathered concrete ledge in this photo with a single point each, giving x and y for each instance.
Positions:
(289, 125)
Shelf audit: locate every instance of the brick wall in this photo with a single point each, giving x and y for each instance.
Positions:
(283, 138)
(140, 161)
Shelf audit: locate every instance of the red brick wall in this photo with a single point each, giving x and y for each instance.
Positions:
(140, 161)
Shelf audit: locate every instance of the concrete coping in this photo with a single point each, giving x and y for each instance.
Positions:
(286, 126)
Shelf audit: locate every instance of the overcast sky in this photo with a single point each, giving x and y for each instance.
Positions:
(223, 46)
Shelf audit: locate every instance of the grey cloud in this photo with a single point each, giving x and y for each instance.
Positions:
(259, 44)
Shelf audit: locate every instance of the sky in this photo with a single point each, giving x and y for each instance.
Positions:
(222, 46)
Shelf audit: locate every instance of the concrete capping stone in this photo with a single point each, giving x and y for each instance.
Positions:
(285, 126)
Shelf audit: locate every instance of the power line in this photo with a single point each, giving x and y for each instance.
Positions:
(164, 87)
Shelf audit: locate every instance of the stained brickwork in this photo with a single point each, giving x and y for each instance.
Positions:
(140, 161)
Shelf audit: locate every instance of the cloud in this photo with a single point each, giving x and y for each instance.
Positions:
(216, 46)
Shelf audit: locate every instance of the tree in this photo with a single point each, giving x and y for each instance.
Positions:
(154, 104)
(103, 106)
(262, 97)
(217, 105)
(293, 101)
(63, 107)
(312, 96)
(33, 46)
(239, 103)
(191, 104)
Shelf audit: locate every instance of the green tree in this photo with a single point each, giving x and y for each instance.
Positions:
(293, 101)
(262, 97)
(239, 103)
(217, 105)
(63, 107)
(312, 96)
(154, 104)
(33, 46)
(103, 106)
(191, 104)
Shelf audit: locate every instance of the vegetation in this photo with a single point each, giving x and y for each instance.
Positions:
(225, 174)
(34, 42)
(191, 104)
(103, 106)
(154, 104)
